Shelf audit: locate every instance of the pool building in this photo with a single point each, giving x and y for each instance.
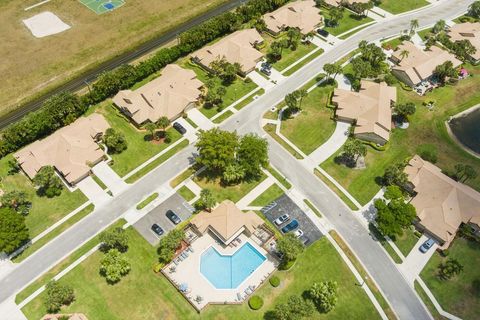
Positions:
(229, 255)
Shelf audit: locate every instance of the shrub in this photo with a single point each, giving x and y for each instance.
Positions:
(157, 267)
(57, 295)
(274, 281)
(255, 302)
(115, 141)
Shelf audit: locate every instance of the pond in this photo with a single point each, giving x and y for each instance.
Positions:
(466, 128)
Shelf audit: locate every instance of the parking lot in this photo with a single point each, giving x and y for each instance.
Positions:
(175, 203)
(285, 205)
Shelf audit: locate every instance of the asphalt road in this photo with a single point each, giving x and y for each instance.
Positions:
(89, 76)
(402, 298)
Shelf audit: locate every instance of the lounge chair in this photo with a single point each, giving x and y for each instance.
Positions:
(180, 258)
(185, 253)
(239, 296)
(239, 240)
(191, 250)
(175, 261)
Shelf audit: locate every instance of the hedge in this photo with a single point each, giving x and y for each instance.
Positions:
(64, 108)
(255, 302)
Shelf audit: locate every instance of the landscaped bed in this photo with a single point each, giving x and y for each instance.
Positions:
(426, 127)
(314, 125)
(461, 294)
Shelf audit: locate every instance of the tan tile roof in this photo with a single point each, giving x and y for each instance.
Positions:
(226, 220)
(442, 203)
(301, 14)
(168, 95)
(72, 316)
(421, 64)
(370, 107)
(467, 31)
(236, 47)
(69, 149)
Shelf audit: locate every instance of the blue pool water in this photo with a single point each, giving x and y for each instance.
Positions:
(228, 272)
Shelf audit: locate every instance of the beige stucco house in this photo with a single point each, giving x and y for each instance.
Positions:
(71, 150)
(369, 110)
(442, 203)
(226, 222)
(419, 64)
(467, 31)
(301, 14)
(175, 91)
(238, 47)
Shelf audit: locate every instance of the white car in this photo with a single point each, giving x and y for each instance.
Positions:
(298, 233)
(282, 219)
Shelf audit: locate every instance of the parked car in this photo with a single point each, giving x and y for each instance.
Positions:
(427, 245)
(282, 219)
(179, 128)
(323, 33)
(173, 217)
(266, 65)
(290, 227)
(157, 229)
(298, 233)
(266, 71)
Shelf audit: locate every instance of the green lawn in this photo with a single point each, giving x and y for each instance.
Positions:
(396, 6)
(270, 129)
(145, 295)
(182, 177)
(222, 192)
(336, 190)
(426, 127)
(406, 241)
(235, 91)
(431, 307)
(392, 44)
(348, 22)
(54, 233)
(139, 148)
(269, 195)
(147, 200)
(223, 117)
(378, 236)
(277, 175)
(45, 211)
(249, 99)
(290, 56)
(461, 294)
(305, 61)
(186, 193)
(314, 125)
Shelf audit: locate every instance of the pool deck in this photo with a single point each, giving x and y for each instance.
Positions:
(188, 272)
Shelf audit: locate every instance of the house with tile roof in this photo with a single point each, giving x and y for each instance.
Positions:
(467, 31)
(175, 91)
(369, 110)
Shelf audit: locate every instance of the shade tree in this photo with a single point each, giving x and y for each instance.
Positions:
(48, 183)
(57, 295)
(114, 266)
(324, 295)
(115, 141)
(13, 231)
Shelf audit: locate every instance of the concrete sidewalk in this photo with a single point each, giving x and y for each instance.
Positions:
(109, 177)
(258, 190)
(332, 145)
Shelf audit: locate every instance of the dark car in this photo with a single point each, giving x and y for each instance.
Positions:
(179, 128)
(266, 65)
(173, 217)
(426, 245)
(323, 33)
(157, 229)
(290, 227)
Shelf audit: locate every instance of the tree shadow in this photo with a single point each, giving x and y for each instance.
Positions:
(342, 159)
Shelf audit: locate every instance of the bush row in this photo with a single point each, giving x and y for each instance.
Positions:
(63, 109)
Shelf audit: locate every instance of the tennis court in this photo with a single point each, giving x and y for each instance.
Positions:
(102, 6)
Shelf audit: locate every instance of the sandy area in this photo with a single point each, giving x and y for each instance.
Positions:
(45, 24)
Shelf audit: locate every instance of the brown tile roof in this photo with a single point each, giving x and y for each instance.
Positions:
(235, 48)
(421, 64)
(467, 31)
(69, 149)
(370, 107)
(442, 203)
(226, 221)
(168, 95)
(301, 14)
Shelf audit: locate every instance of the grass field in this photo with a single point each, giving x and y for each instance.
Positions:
(139, 149)
(461, 294)
(406, 241)
(31, 66)
(302, 63)
(45, 211)
(186, 193)
(314, 125)
(145, 295)
(396, 6)
(426, 127)
(222, 192)
(270, 129)
(269, 195)
(348, 22)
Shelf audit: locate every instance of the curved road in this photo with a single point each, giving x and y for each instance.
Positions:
(89, 76)
(401, 296)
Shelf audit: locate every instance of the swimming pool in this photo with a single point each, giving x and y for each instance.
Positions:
(228, 272)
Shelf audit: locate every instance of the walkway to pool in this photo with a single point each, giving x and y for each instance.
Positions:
(186, 275)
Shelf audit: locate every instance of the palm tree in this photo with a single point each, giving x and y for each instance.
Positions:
(404, 54)
(413, 26)
(151, 127)
(163, 123)
(302, 93)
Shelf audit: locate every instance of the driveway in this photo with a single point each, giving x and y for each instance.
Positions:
(93, 191)
(157, 215)
(284, 205)
(109, 177)
(416, 260)
(202, 122)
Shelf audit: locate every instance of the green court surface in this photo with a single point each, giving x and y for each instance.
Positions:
(102, 6)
